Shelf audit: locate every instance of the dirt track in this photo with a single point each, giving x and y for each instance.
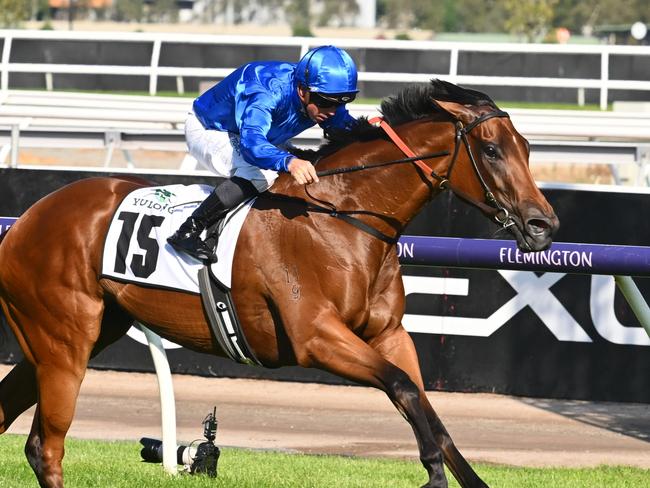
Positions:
(361, 421)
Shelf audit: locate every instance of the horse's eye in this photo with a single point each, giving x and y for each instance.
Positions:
(490, 151)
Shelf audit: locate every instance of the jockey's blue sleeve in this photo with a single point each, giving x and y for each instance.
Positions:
(254, 125)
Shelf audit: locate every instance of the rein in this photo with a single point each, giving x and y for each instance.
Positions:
(350, 169)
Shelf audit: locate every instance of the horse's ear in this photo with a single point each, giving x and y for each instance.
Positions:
(457, 110)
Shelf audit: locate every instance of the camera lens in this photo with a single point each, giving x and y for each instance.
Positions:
(151, 450)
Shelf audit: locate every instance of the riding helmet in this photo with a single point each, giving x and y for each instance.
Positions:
(328, 70)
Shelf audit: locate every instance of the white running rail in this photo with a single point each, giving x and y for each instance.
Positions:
(156, 42)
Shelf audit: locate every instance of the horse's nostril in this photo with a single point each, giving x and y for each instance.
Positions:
(538, 227)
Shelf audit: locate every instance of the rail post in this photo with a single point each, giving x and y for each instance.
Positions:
(167, 403)
(636, 301)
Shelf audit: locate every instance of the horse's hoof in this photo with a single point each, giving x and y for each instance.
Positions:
(436, 482)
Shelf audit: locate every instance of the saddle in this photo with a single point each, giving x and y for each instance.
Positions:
(136, 251)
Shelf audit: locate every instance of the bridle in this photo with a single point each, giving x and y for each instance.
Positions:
(490, 206)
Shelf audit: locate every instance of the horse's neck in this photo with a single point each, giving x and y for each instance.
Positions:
(402, 189)
(385, 197)
(397, 191)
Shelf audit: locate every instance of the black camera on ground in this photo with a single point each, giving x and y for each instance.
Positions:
(152, 451)
(201, 458)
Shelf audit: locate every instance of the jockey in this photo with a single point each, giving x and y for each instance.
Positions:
(238, 129)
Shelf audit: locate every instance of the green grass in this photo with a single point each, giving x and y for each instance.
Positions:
(95, 464)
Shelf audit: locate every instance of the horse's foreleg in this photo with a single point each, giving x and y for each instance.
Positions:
(17, 393)
(335, 348)
(397, 347)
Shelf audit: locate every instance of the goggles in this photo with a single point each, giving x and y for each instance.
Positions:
(322, 100)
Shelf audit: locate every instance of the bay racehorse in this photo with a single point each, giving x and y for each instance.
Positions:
(316, 278)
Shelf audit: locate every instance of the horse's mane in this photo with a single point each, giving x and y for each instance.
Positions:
(412, 103)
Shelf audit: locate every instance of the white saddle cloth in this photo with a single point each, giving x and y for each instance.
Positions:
(136, 248)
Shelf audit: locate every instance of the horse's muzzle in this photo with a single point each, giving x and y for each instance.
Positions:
(537, 230)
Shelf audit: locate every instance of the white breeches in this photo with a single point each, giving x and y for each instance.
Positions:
(218, 152)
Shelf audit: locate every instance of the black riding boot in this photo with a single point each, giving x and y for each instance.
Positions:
(224, 197)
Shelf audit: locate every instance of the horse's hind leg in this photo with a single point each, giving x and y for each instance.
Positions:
(17, 393)
(59, 346)
(397, 347)
(58, 388)
(59, 380)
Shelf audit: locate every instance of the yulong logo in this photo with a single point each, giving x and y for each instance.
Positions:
(163, 195)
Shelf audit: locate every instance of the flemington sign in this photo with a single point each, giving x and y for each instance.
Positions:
(501, 254)
(519, 271)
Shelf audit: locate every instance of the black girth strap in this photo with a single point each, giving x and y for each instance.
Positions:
(328, 208)
(223, 320)
(359, 224)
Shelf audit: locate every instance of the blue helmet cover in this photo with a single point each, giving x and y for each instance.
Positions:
(327, 69)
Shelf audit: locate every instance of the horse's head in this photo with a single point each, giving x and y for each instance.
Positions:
(487, 166)
(492, 170)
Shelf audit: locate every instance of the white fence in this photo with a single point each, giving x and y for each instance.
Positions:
(632, 155)
(153, 70)
(33, 119)
(47, 109)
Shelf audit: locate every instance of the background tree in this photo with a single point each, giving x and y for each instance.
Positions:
(161, 11)
(14, 12)
(443, 15)
(128, 10)
(395, 14)
(575, 15)
(530, 19)
(299, 18)
(338, 12)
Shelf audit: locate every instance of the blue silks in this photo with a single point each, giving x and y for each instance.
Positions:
(260, 102)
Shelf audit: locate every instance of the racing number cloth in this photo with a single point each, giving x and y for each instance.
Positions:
(136, 249)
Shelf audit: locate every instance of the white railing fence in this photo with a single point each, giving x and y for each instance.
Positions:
(454, 50)
(127, 124)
